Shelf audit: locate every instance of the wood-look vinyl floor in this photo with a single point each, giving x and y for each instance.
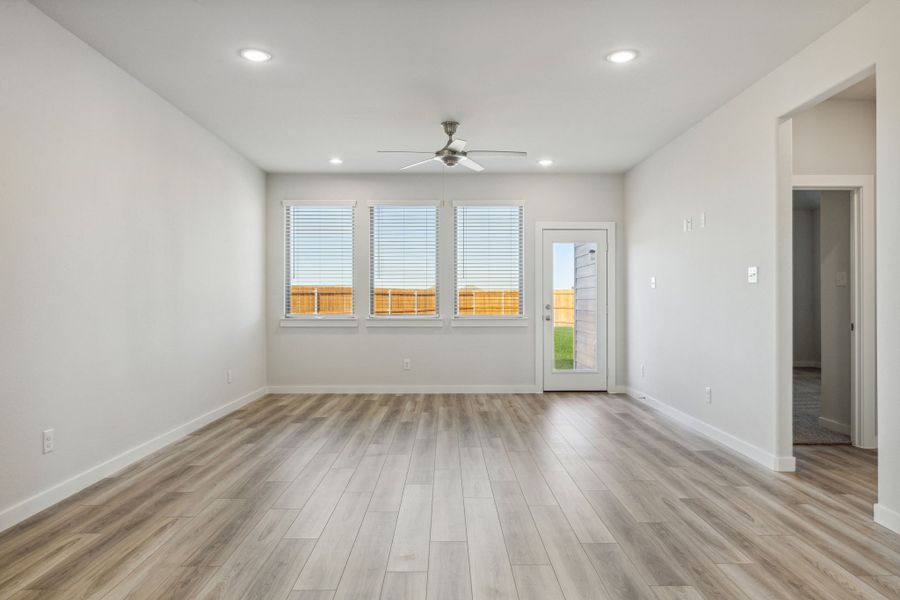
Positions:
(538, 497)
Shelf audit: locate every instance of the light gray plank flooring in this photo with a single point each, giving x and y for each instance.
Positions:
(459, 497)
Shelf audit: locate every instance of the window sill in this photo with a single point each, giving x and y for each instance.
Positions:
(320, 322)
(488, 322)
(404, 322)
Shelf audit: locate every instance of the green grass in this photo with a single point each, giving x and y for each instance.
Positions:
(563, 348)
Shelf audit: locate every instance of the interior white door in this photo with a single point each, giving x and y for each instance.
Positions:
(574, 292)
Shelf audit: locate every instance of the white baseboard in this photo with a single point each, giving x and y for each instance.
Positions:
(809, 364)
(835, 426)
(785, 464)
(754, 453)
(887, 517)
(404, 389)
(19, 512)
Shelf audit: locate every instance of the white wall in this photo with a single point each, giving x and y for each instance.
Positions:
(835, 137)
(131, 256)
(704, 324)
(500, 358)
(807, 324)
(834, 227)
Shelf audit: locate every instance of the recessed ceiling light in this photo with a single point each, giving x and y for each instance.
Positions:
(255, 55)
(545, 162)
(336, 161)
(622, 56)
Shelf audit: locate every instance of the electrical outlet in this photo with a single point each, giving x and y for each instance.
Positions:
(752, 275)
(653, 283)
(228, 376)
(48, 438)
(709, 395)
(407, 364)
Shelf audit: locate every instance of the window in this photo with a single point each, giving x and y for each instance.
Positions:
(488, 241)
(404, 249)
(319, 260)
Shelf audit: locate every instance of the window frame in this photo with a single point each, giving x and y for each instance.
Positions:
(435, 320)
(320, 320)
(462, 320)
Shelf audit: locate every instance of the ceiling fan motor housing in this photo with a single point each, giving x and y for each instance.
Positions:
(454, 151)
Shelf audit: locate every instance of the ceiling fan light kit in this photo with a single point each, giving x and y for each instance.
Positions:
(454, 152)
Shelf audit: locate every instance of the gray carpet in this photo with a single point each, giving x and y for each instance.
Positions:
(808, 407)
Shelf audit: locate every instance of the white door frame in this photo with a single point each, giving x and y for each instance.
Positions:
(862, 258)
(610, 228)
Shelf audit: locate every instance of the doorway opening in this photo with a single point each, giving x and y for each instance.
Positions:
(823, 319)
(826, 361)
(575, 276)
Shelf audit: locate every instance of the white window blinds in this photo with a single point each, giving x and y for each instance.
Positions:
(488, 243)
(319, 260)
(404, 254)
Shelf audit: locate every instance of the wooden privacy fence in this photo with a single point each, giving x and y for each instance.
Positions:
(403, 301)
(321, 300)
(488, 302)
(338, 300)
(563, 308)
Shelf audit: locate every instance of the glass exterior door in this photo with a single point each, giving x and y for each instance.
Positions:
(574, 309)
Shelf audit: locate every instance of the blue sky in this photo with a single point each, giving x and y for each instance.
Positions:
(563, 265)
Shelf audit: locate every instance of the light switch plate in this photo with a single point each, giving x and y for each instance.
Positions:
(841, 279)
(752, 275)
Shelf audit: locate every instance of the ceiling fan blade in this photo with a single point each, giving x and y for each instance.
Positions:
(457, 145)
(421, 162)
(486, 153)
(468, 162)
(405, 152)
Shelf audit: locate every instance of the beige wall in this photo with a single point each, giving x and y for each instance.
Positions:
(727, 166)
(131, 256)
(807, 322)
(447, 358)
(835, 137)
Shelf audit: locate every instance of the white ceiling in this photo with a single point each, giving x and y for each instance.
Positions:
(352, 76)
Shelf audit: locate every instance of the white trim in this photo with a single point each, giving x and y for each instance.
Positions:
(610, 227)
(487, 203)
(412, 321)
(754, 453)
(835, 426)
(487, 321)
(403, 389)
(319, 322)
(785, 464)
(324, 203)
(17, 513)
(887, 517)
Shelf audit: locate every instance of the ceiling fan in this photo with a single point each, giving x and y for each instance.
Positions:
(454, 152)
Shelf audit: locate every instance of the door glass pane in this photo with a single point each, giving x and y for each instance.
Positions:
(575, 306)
